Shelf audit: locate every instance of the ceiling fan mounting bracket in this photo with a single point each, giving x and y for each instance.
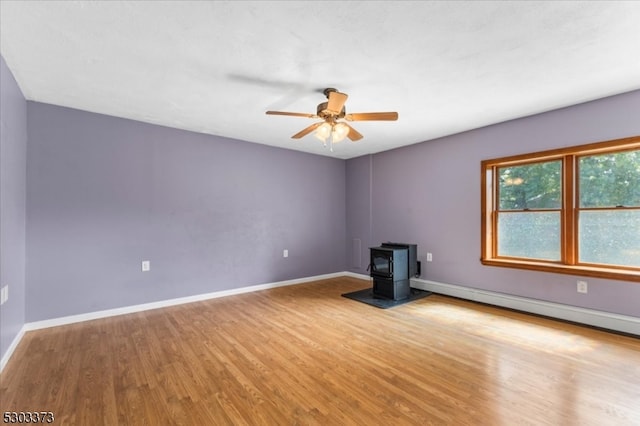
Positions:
(329, 90)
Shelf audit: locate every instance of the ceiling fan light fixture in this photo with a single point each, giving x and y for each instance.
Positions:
(339, 132)
(323, 132)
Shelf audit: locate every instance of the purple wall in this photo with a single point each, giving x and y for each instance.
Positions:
(358, 217)
(13, 166)
(209, 213)
(429, 194)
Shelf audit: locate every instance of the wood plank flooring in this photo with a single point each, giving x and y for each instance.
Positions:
(305, 355)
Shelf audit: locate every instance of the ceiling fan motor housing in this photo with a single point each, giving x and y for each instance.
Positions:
(323, 112)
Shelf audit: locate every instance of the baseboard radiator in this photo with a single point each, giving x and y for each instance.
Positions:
(601, 319)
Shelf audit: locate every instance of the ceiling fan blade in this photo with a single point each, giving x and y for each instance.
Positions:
(372, 116)
(306, 130)
(336, 102)
(294, 114)
(353, 134)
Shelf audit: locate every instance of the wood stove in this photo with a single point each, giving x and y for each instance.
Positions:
(391, 266)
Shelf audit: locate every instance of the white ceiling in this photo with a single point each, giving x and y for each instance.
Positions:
(217, 66)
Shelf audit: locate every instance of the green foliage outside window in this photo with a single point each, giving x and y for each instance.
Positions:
(610, 180)
(608, 233)
(531, 186)
(572, 210)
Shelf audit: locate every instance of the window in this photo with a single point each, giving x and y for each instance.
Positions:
(573, 210)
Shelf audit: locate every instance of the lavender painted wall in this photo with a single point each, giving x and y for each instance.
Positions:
(429, 194)
(209, 213)
(13, 166)
(358, 219)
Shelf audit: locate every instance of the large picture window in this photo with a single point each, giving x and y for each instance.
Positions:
(573, 210)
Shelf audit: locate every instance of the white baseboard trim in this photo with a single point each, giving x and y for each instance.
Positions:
(356, 275)
(37, 325)
(12, 347)
(606, 320)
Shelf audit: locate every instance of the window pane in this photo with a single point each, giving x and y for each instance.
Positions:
(530, 186)
(533, 235)
(610, 180)
(610, 237)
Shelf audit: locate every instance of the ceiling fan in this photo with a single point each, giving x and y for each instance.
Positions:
(331, 112)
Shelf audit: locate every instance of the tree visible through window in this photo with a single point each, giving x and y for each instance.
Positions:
(574, 210)
(529, 203)
(609, 208)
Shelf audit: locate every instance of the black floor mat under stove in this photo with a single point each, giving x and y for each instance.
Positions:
(367, 296)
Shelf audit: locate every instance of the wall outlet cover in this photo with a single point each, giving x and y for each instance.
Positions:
(582, 287)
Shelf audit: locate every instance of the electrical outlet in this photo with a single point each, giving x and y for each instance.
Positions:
(285, 253)
(146, 266)
(582, 287)
(429, 257)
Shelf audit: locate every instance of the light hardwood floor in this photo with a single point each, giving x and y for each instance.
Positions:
(305, 355)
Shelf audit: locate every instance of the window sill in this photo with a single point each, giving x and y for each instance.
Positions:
(588, 271)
